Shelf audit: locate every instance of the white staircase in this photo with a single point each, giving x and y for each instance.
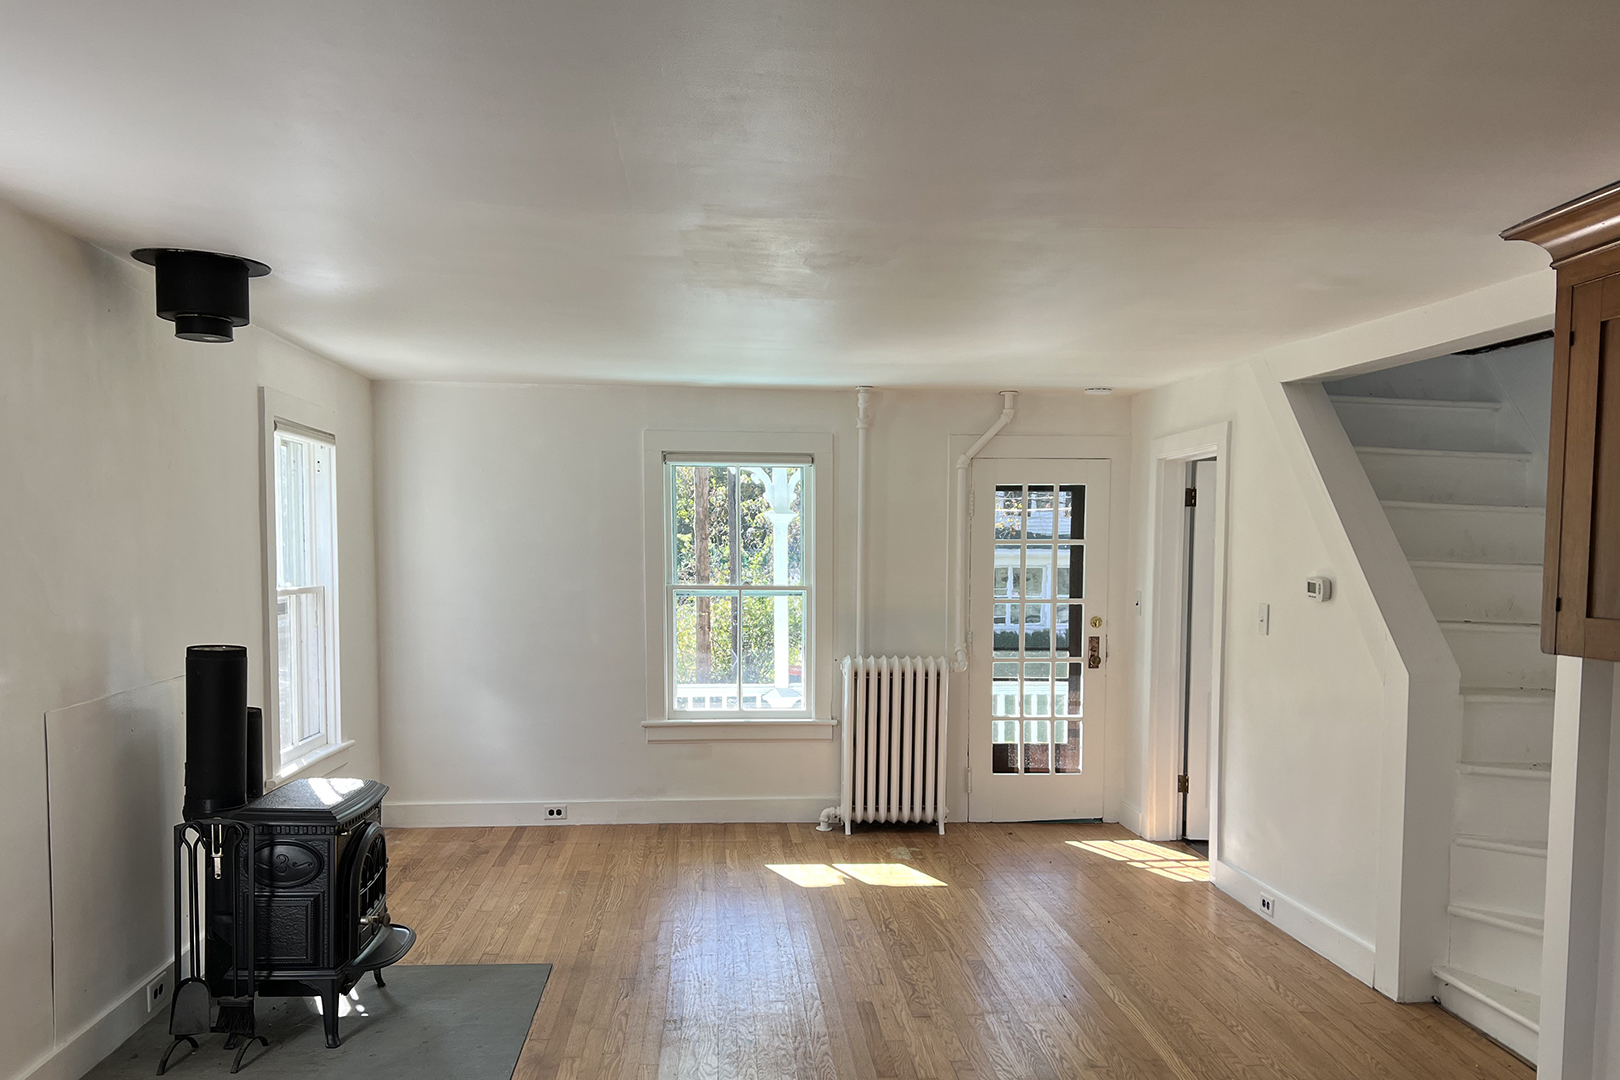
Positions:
(1462, 496)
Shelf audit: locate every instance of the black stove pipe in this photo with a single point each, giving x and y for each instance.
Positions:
(216, 729)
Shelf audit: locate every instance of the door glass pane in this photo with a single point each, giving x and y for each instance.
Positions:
(1004, 689)
(1038, 630)
(1069, 577)
(1037, 752)
(705, 657)
(1037, 689)
(1004, 626)
(1009, 513)
(1038, 571)
(1004, 746)
(1041, 507)
(1072, 512)
(1007, 576)
(1060, 632)
(1067, 749)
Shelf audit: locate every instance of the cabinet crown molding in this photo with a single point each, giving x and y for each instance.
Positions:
(1576, 228)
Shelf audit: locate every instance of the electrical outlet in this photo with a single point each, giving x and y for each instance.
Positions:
(1268, 906)
(556, 813)
(157, 992)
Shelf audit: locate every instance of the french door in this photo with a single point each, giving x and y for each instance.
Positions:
(1037, 604)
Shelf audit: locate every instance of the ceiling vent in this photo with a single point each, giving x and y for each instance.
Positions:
(203, 293)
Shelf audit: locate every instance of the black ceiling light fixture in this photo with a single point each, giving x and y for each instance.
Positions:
(204, 293)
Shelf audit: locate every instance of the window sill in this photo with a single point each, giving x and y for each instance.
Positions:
(324, 756)
(756, 730)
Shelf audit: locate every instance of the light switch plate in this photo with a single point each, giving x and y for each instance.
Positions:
(1265, 620)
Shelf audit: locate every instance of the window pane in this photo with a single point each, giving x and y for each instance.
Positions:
(705, 656)
(1037, 629)
(301, 678)
(770, 526)
(702, 523)
(773, 651)
(1072, 512)
(1040, 522)
(1009, 513)
(292, 513)
(1004, 627)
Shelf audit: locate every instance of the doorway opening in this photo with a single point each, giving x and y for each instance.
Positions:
(1198, 653)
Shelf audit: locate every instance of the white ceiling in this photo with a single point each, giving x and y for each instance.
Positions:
(968, 192)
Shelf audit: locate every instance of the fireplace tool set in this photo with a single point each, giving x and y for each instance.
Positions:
(279, 894)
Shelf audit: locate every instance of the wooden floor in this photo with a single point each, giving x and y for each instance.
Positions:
(678, 952)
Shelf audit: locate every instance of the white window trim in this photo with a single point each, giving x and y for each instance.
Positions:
(662, 723)
(277, 407)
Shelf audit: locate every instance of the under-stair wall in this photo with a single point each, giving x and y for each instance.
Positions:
(1454, 452)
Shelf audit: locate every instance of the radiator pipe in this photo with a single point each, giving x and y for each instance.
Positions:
(1009, 400)
(863, 423)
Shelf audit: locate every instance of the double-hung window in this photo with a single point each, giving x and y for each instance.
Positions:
(306, 592)
(738, 586)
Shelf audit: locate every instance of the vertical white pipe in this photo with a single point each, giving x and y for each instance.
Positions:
(863, 422)
(1009, 400)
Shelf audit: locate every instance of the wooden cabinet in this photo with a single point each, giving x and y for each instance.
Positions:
(1580, 613)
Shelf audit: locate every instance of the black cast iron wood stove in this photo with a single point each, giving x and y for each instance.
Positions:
(301, 873)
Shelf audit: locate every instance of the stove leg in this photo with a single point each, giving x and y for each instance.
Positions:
(376, 973)
(329, 1014)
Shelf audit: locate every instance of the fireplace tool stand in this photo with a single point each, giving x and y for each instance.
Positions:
(213, 921)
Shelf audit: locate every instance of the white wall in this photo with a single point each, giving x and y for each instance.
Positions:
(129, 481)
(1303, 706)
(511, 589)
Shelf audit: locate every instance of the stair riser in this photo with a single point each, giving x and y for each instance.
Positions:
(1508, 731)
(1506, 659)
(1515, 1036)
(1482, 593)
(1430, 427)
(1499, 880)
(1443, 534)
(1505, 956)
(1501, 807)
(1454, 479)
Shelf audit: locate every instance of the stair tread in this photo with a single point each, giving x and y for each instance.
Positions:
(1521, 1005)
(1440, 403)
(1514, 920)
(1503, 625)
(1415, 451)
(1464, 564)
(1409, 504)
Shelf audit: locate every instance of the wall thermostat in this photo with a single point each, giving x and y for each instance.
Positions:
(1319, 588)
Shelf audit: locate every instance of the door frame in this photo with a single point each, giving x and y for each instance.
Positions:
(1116, 450)
(1166, 600)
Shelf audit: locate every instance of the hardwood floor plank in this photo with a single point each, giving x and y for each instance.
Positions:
(677, 953)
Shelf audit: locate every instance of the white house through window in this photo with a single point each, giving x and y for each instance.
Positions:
(306, 592)
(738, 588)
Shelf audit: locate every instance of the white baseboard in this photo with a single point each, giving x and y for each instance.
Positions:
(82, 1050)
(450, 815)
(1310, 928)
(1131, 817)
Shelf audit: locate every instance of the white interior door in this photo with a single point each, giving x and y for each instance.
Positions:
(1037, 603)
(1200, 651)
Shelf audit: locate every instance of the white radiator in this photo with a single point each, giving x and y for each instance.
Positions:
(895, 714)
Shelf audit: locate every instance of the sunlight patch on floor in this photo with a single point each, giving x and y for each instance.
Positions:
(821, 876)
(1154, 858)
